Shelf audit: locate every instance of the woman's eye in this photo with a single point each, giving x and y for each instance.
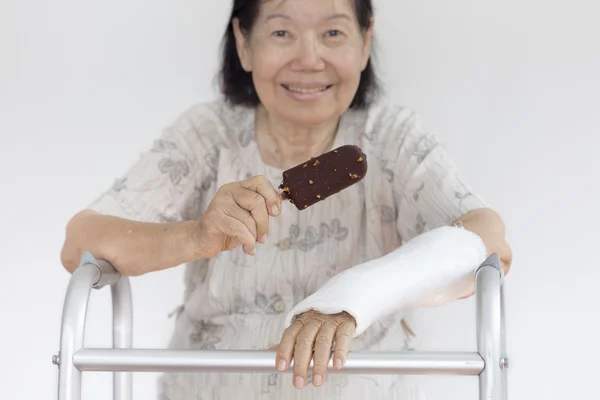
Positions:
(280, 34)
(333, 33)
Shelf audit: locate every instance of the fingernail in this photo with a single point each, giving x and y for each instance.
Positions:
(281, 365)
(275, 210)
(263, 238)
(299, 382)
(338, 363)
(317, 380)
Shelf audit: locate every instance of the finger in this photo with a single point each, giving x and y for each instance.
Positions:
(234, 210)
(323, 344)
(286, 346)
(303, 351)
(272, 348)
(262, 186)
(343, 338)
(232, 227)
(256, 205)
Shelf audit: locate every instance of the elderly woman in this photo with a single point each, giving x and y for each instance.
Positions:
(297, 81)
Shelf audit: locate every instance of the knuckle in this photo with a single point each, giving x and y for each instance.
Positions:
(257, 200)
(241, 185)
(301, 364)
(323, 340)
(283, 353)
(304, 341)
(308, 314)
(226, 188)
(341, 348)
(221, 203)
(291, 332)
(331, 324)
(300, 367)
(257, 180)
(249, 220)
(320, 366)
(343, 335)
(227, 206)
(341, 352)
(346, 317)
(314, 320)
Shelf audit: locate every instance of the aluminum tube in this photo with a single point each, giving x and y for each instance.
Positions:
(122, 334)
(489, 329)
(239, 361)
(73, 328)
(504, 360)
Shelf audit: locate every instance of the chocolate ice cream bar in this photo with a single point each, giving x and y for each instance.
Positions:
(320, 177)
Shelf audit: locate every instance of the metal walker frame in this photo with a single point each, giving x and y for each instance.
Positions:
(489, 363)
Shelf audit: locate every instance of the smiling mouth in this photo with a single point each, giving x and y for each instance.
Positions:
(296, 89)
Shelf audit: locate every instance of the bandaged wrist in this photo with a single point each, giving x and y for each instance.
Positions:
(429, 270)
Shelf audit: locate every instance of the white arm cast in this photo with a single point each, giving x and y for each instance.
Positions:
(431, 269)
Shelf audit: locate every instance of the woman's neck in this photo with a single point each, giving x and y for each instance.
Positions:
(285, 145)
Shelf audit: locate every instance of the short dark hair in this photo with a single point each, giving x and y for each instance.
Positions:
(237, 85)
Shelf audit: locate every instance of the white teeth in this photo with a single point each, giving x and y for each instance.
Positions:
(305, 90)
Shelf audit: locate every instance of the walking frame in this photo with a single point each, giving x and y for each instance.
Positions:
(489, 363)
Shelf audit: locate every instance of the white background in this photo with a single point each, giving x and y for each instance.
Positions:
(512, 88)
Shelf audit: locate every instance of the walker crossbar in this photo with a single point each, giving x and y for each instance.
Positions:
(489, 362)
(225, 361)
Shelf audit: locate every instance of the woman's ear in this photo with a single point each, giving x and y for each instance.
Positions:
(242, 46)
(368, 39)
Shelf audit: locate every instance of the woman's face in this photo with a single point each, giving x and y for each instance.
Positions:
(306, 57)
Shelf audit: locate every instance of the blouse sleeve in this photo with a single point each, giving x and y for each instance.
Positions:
(429, 190)
(167, 181)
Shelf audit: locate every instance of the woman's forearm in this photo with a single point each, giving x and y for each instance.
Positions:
(431, 269)
(133, 248)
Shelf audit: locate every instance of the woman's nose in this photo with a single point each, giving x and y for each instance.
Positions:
(308, 56)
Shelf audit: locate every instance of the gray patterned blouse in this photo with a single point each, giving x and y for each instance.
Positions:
(234, 301)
